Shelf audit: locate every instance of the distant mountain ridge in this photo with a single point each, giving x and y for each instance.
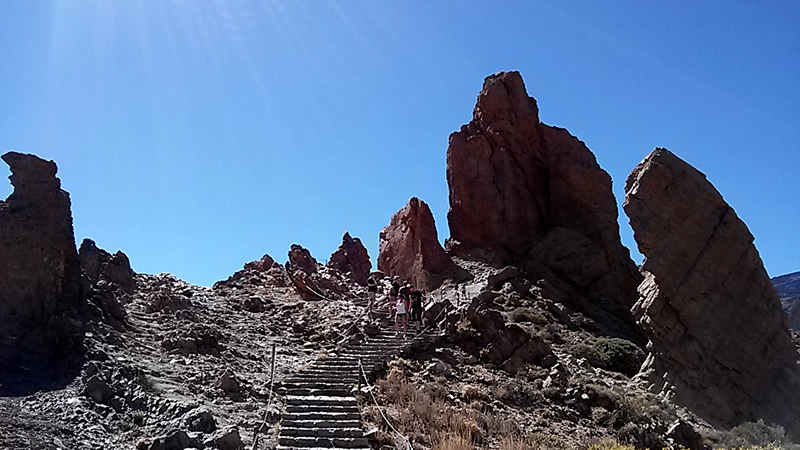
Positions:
(788, 287)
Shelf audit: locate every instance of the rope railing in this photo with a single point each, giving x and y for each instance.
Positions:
(377, 405)
(269, 401)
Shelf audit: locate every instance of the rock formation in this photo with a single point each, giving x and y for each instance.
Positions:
(301, 258)
(718, 337)
(110, 281)
(352, 257)
(527, 194)
(409, 247)
(39, 271)
(98, 264)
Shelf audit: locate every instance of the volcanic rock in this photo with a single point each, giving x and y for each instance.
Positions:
(98, 264)
(352, 257)
(526, 194)
(262, 265)
(718, 336)
(39, 271)
(409, 247)
(301, 258)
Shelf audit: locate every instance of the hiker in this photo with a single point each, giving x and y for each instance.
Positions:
(417, 298)
(372, 291)
(405, 290)
(394, 291)
(401, 314)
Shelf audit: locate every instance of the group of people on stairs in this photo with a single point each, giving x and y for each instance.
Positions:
(403, 300)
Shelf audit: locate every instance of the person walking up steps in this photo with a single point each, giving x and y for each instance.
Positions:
(372, 291)
(416, 307)
(401, 315)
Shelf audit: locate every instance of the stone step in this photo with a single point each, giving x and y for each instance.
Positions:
(290, 447)
(324, 432)
(337, 400)
(322, 415)
(359, 442)
(321, 379)
(330, 369)
(294, 409)
(315, 392)
(317, 385)
(321, 423)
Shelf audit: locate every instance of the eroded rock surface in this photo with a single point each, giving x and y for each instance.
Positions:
(410, 248)
(39, 270)
(718, 337)
(352, 257)
(526, 194)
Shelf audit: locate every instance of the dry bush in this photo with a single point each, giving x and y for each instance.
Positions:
(610, 445)
(470, 392)
(454, 442)
(535, 441)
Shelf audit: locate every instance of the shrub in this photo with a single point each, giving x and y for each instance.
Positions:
(614, 354)
(758, 435)
(527, 314)
(535, 441)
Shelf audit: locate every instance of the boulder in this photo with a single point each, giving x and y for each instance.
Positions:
(352, 257)
(40, 278)
(261, 265)
(410, 249)
(530, 195)
(718, 337)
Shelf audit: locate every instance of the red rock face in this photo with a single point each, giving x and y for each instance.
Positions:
(352, 257)
(526, 194)
(39, 270)
(718, 336)
(410, 249)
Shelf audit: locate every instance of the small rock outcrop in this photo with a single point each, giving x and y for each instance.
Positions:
(409, 247)
(100, 265)
(718, 337)
(109, 281)
(530, 195)
(352, 257)
(40, 278)
(300, 257)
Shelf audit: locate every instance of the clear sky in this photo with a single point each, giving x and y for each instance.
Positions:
(198, 135)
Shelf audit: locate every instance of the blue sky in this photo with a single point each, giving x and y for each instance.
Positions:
(198, 135)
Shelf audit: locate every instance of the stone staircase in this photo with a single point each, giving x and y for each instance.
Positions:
(321, 409)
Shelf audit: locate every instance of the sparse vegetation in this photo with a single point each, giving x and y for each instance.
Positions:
(755, 436)
(527, 314)
(614, 354)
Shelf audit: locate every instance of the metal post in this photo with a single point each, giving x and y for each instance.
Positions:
(360, 372)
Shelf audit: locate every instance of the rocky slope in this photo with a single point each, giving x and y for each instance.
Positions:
(788, 288)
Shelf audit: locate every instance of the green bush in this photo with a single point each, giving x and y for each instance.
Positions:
(758, 435)
(614, 354)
